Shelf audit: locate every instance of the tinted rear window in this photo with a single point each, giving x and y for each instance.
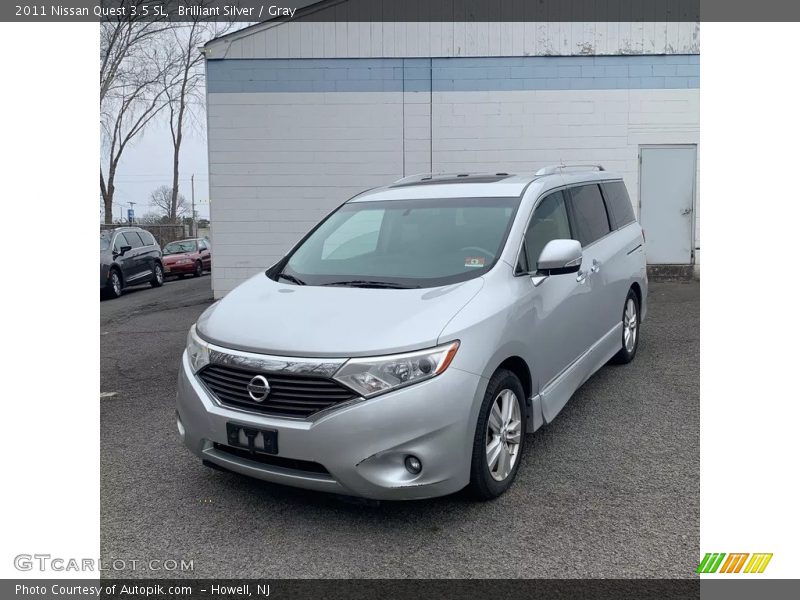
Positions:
(618, 203)
(133, 239)
(148, 239)
(589, 212)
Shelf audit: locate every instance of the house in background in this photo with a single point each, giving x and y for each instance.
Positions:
(304, 114)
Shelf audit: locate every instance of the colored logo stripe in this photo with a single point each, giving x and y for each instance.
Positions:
(758, 563)
(710, 562)
(733, 564)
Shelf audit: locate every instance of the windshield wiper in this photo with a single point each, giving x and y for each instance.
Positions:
(369, 284)
(291, 278)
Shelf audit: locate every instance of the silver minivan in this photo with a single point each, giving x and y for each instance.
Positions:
(406, 346)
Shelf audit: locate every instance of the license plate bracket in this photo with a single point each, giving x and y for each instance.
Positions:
(252, 438)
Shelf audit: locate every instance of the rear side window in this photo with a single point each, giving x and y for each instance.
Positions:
(618, 203)
(549, 222)
(147, 238)
(133, 239)
(589, 213)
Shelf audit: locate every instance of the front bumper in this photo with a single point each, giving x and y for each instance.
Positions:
(363, 445)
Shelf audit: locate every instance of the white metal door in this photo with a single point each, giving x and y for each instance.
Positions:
(666, 201)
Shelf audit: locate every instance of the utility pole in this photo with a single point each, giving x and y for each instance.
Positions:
(194, 228)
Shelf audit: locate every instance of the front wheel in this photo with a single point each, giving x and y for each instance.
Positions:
(499, 437)
(630, 330)
(198, 269)
(158, 276)
(113, 288)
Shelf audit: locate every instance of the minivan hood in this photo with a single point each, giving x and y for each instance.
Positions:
(269, 317)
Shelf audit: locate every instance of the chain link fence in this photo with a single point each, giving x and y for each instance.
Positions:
(164, 234)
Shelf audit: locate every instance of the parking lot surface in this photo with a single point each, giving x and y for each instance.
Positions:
(609, 489)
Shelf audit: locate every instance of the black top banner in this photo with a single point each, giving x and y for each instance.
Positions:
(252, 11)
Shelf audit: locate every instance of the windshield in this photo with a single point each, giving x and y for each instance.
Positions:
(105, 241)
(403, 243)
(180, 247)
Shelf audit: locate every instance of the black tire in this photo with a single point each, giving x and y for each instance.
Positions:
(113, 287)
(158, 276)
(198, 269)
(181, 276)
(482, 484)
(628, 351)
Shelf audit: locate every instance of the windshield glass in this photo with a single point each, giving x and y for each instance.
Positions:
(105, 241)
(403, 243)
(179, 247)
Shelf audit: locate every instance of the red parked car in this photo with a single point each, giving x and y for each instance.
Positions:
(187, 257)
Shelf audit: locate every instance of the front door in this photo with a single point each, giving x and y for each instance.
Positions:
(666, 197)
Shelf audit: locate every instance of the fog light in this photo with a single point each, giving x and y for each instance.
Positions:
(181, 430)
(413, 464)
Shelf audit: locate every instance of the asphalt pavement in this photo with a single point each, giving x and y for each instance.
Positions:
(610, 489)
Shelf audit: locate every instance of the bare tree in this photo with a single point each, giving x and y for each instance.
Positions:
(121, 38)
(161, 201)
(184, 84)
(125, 113)
(131, 68)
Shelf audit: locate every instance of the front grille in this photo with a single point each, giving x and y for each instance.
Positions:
(274, 461)
(291, 395)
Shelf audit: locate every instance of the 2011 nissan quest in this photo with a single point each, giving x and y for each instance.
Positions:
(406, 346)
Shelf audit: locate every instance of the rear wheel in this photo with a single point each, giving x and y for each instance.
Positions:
(198, 269)
(499, 437)
(158, 276)
(630, 330)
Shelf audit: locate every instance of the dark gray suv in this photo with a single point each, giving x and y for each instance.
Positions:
(128, 256)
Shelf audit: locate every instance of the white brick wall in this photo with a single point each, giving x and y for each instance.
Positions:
(523, 130)
(280, 161)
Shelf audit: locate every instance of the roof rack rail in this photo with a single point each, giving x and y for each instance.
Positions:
(427, 176)
(424, 177)
(552, 169)
(416, 177)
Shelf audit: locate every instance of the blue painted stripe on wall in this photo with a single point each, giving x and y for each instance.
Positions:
(454, 74)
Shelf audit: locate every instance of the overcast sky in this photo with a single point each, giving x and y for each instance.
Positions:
(148, 164)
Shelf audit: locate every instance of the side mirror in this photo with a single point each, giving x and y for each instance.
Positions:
(124, 249)
(559, 257)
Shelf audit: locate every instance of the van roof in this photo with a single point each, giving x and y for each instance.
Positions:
(482, 184)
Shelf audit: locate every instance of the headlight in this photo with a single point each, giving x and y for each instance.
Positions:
(373, 376)
(197, 350)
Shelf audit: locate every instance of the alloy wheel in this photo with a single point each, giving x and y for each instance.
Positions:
(630, 325)
(503, 435)
(116, 285)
